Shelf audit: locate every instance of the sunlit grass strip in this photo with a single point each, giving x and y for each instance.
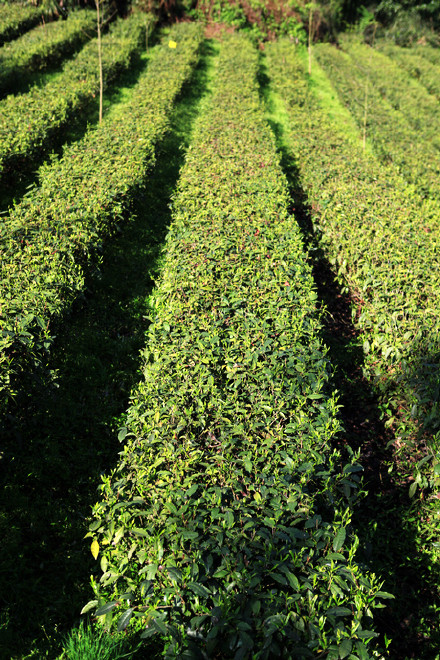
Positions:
(394, 139)
(223, 530)
(29, 121)
(382, 239)
(48, 239)
(44, 46)
(16, 19)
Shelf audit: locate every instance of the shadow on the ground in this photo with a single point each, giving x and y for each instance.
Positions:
(62, 435)
(391, 526)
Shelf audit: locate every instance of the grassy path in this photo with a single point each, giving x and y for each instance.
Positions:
(65, 435)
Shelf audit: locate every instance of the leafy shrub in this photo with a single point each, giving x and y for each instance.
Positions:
(395, 141)
(49, 239)
(403, 93)
(418, 66)
(382, 239)
(16, 19)
(28, 122)
(224, 531)
(44, 46)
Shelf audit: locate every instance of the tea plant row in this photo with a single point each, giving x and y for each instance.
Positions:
(44, 46)
(225, 529)
(392, 136)
(16, 19)
(48, 239)
(28, 122)
(386, 77)
(383, 240)
(420, 68)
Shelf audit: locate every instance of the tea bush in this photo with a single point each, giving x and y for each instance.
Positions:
(382, 239)
(408, 96)
(44, 46)
(16, 19)
(413, 62)
(28, 122)
(393, 138)
(225, 529)
(49, 238)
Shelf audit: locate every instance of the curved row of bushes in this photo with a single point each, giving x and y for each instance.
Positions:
(393, 138)
(224, 531)
(48, 239)
(16, 19)
(44, 46)
(380, 235)
(412, 60)
(28, 122)
(386, 77)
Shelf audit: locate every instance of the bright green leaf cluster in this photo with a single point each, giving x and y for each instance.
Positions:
(404, 94)
(380, 236)
(394, 140)
(420, 68)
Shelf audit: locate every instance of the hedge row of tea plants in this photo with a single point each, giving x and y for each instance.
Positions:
(379, 234)
(29, 121)
(393, 138)
(224, 531)
(16, 19)
(44, 46)
(429, 53)
(427, 73)
(48, 239)
(416, 104)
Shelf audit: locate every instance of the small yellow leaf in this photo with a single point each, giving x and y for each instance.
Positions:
(157, 416)
(257, 496)
(172, 44)
(95, 548)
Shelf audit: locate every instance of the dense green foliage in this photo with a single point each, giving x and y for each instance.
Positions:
(67, 423)
(16, 19)
(383, 240)
(428, 53)
(392, 136)
(28, 122)
(387, 78)
(48, 239)
(44, 46)
(390, 10)
(418, 66)
(260, 20)
(224, 529)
